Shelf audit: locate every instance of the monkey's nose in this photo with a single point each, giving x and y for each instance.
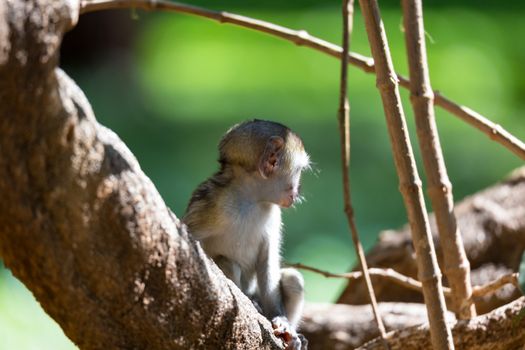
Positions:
(294, 195)
(288, 200)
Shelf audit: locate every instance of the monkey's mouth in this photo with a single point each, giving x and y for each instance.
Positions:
(286, 203)
(290, 200)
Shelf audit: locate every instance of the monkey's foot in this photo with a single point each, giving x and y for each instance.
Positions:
(283, 330)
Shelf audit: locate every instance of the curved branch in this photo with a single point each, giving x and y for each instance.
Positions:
(493, 286)
(343, 116)
(84, 228)
(411, 283)
(389, 274)
(300, 37)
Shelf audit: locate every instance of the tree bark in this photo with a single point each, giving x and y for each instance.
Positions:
(83, 227)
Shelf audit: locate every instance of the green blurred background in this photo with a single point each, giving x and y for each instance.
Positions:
(169, 85)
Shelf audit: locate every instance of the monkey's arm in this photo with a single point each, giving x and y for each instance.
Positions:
(268, 278)
(272, 303)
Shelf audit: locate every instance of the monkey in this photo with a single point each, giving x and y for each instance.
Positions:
(236, 217)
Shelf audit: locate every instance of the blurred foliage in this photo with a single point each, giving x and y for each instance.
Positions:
(189, 79)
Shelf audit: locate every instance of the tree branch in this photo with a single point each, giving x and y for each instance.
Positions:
(456, 264)
(411, 283)
(300, 37)
(493, 286)
(344, 131)
(84, 228)
(410, 183)
(389, 274)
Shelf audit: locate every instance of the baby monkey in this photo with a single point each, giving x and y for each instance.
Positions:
(236, 215)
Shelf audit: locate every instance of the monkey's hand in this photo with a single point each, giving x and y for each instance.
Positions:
(282, 329)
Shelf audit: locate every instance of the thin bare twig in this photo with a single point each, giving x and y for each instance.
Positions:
(344, 130)
(411, 283)
(456, 264)
(410, 184)
(390, 274)
(491, 287)
(302, 38)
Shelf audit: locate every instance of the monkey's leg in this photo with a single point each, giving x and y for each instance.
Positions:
(292, 290)
(248, 285)
(249, 288)
(230, 269)
(276, 305)
(292, 293)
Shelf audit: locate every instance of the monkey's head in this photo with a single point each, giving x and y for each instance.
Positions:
(270, 154)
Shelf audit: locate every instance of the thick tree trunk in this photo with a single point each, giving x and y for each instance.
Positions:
(82, 226)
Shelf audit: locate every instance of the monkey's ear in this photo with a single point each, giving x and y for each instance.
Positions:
(271, 156)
